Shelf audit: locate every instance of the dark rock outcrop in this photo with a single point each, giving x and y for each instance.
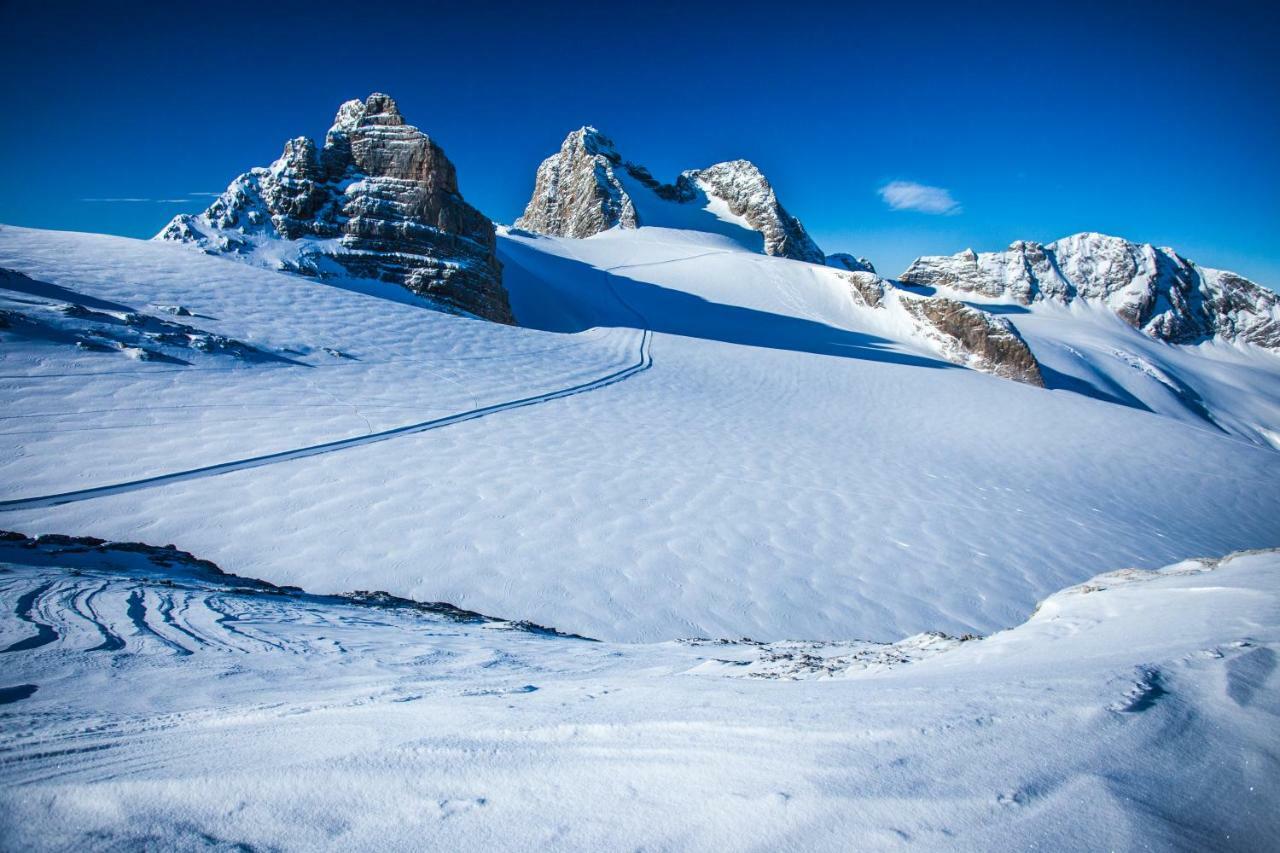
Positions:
(1155, 290)
(586, 188)
(959, 333)
(379, 200)
(974, 338)
(867, 288)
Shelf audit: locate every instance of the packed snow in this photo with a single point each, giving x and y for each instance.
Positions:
(692, 439)
(152, 702)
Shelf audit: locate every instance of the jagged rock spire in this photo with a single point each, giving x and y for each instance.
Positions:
(577, 191)
(587, 187)
(379, 200)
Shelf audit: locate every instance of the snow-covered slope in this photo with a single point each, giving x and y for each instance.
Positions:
(694, 439)
(151, 702)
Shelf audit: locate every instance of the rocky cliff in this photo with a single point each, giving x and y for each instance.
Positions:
(974, 338)
(379, 200)
(587, 187)
(1152, 289)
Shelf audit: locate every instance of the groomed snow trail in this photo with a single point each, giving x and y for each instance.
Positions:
(643, 362)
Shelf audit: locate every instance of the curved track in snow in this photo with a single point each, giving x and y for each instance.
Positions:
(643, 362)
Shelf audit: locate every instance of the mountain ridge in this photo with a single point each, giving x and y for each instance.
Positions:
(1153, 289)
(581, 190)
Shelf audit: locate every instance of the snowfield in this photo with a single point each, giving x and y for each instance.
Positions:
(708, 554)
(693, 440)
(152, 702)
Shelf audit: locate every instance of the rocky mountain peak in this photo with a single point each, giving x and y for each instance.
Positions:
(379, 200)
(349, 115)
(593, 142)
(587, 187)
(380, 109)
(1155, 290)
(577, 191)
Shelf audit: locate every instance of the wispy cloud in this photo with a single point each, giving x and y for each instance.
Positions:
(130, 200)
(908, 195)
(144, 200)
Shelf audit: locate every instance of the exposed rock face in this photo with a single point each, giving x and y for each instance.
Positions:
(380, 200)
(867, 288)
(1152, 289)
(587, 188)
(577, 192)
(972, 337)
(741, 185)
(845, 261)
(959, 333)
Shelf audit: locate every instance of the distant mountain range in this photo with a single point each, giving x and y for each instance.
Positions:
(380, 200)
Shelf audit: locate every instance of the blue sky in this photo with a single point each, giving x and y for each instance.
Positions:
(890, 131)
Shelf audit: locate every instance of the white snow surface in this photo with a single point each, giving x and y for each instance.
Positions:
(769, 459)
(152, 704)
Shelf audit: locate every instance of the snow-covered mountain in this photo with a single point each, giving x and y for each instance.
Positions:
(471, 585)
(586, 188)
(379, 200)
(1153, 289)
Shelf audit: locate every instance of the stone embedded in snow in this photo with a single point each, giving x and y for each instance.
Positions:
(587, 188)
(380, 200)
(1152, 289)
(845, 261)
(867, 288)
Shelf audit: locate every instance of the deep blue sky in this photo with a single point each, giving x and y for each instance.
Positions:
(1158, 122)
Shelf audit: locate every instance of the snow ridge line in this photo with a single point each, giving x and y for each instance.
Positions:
(643, 362)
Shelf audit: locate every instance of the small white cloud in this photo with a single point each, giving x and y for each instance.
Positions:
(908, 195)
(212, 195)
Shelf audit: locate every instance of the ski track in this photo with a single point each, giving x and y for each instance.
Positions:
(643, 361)
(338, 712)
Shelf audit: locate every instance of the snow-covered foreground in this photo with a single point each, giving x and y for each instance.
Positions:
(693, 440)
(154, 703)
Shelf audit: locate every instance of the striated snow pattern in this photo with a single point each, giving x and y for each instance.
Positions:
(583, 190)
(379, 200)
(1155, 290)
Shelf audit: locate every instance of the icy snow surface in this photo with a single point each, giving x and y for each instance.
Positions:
(772, 461)
(152, 703)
